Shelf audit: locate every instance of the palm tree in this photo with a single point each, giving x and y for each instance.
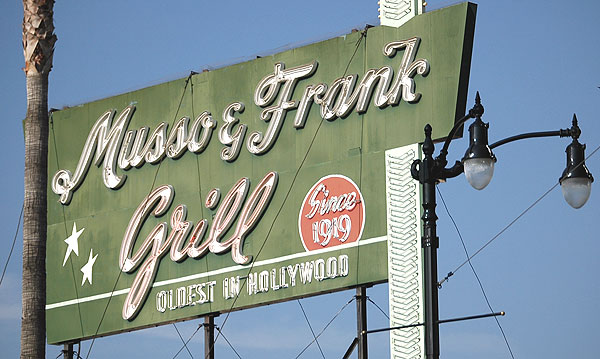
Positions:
(38, 48)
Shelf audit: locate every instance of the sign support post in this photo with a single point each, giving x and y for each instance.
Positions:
(68, 351)
(361, 322)
(209, 337)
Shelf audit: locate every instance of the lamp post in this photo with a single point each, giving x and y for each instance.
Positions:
(478, 166)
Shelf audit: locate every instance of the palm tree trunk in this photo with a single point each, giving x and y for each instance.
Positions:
(38, 48)
(33, 324)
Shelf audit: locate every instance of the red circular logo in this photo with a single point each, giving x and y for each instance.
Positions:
(332, 213)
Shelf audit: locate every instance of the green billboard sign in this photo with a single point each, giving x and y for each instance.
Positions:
(247, 185)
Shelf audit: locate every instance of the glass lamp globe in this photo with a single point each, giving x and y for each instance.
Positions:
(479, 171)
(576, 190)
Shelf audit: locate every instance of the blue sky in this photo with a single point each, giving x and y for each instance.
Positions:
(535, 63)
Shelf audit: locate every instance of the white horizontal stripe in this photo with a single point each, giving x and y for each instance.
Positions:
(218, 271)
(86, 299)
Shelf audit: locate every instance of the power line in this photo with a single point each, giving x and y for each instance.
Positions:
(187, 341)
(184, 343)
(12, 247)
(231, 346)
(475, 273)
(325, 328)
(469, 257)
(65, 226)
(150, 191)
(281, 207)
(311, 329)
(451, 273)
(381, 310)
(363, 35)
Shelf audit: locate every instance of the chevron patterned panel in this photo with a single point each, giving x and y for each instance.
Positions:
(404, 253)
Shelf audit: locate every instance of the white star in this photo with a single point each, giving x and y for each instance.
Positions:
(87, 268)
(72, 243)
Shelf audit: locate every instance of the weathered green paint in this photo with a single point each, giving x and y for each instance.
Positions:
(353, 146)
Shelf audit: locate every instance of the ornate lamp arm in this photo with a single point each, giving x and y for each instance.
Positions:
(573, 132)
(436, 167)
(476, 112)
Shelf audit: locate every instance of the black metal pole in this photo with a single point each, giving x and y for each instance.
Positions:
(361, 322)
(68, 351)
(429, 244)
(209, 337)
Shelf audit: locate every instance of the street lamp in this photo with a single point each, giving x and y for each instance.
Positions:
(576, 180)
(478, 166)
(478, 162)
